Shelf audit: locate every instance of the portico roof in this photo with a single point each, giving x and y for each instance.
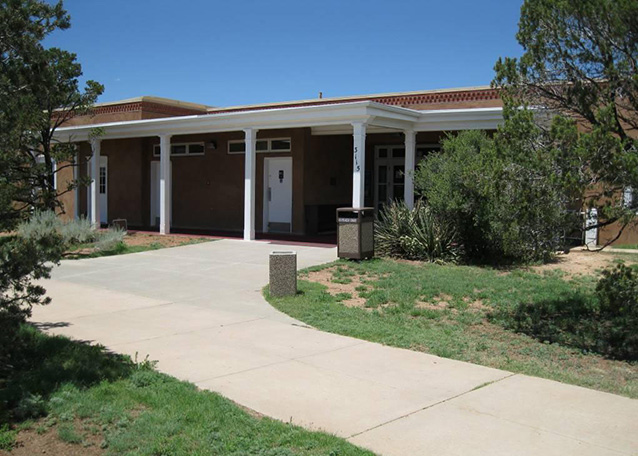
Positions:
(323, 119)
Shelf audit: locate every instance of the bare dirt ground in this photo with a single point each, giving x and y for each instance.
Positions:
(30, 442)
(135, 238)
(582, 262)
(325, 277)
(141, 239)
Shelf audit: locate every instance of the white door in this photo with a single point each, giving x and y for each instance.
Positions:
(155, 192)
(102, 187)
(278, 194)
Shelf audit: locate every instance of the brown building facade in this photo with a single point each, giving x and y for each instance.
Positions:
(273, 168)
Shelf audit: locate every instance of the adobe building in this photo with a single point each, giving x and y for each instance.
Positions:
(261, 170)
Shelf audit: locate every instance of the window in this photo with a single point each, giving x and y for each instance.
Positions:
(262, 145)
(280, 144)
(236, 147)
(389, 184)
(182, 149)
(178, 149)
(102, 180)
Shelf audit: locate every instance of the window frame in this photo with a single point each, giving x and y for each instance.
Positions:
(157, 152)
(390, 161)
(267, 150)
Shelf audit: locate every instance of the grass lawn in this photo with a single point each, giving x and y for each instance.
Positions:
(69, 398)
(454, 312)
(135, 242)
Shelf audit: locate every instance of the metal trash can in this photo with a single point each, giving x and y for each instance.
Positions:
(120, 223)
(283, 273)
(355, 232)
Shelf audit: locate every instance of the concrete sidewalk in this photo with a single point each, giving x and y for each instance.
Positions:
(198, 310)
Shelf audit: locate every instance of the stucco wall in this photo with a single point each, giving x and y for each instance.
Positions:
(64, 177)
(208, 190)
(124, 178)
(628, 236)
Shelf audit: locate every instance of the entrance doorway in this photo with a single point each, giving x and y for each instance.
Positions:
(102, 187)
(389, 171)
(389, 174)
(278, 194)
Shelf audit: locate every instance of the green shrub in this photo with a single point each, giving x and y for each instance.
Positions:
(503, 200)
(571, 322)
(23, 262)
(79, 231)
(617, 293)
(47, 223)
(605, 323)
(30, 406)
(40, 225)
(414, 234)
(111, 239)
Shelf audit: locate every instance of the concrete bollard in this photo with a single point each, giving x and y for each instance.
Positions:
(283, 273)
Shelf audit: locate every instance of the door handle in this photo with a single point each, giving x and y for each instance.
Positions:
(269, 194)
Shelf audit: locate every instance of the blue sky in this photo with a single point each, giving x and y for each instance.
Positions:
(232, 52)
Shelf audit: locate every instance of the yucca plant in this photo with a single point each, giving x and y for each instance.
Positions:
(414, 234)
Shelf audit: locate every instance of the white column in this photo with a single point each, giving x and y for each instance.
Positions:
(410, 157)
(249, 184)
(76, 176)
(165, 184)
(358, 164)
(591, 234)
(95, 180)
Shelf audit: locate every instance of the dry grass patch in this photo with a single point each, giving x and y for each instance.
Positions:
(134, 242)
(340, 288)
(76, 438)
(439, 302)
(168, 240)
(580, 263)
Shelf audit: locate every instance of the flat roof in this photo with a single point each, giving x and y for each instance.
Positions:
(255, 106)
(348, 98)
(158, 100)
(376, 115)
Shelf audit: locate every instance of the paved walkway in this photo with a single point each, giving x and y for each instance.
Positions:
(198, 310)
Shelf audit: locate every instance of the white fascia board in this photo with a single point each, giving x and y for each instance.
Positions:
(347, 130)
(395, 112)
(459, 119)
(306, 116)
(370, 112)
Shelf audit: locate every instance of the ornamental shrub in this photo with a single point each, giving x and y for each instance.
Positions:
(110, 239)
(502, 200)
(78, 231)
(414, 234)
(617, 293)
